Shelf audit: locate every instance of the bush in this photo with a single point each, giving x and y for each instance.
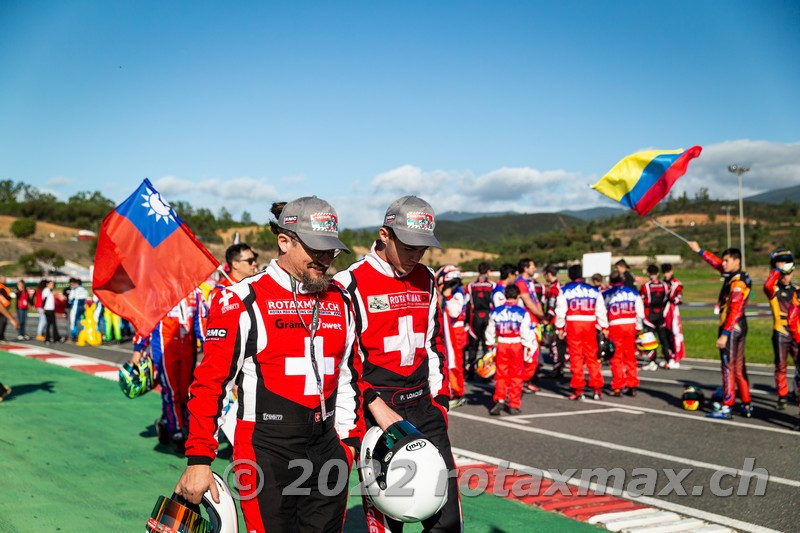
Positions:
(23, 227)
(31, 262)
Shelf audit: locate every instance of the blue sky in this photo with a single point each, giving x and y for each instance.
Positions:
(477, 106)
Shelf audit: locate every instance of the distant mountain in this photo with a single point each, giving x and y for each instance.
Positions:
(495, 227)
(777, 196)
(458, 216)
(583, 214)
(594, 213)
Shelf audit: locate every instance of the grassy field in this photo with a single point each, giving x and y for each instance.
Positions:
(700, 337)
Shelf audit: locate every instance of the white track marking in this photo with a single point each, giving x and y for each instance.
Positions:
(583, 412)
(681, 415)
(89, 360)
(27, 352)
(645, 500)
(623, 448)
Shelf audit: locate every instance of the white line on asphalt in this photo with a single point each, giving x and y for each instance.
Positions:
(647, 500)
(583, 412)
(623, 448)
(69, 354)
(758, 392)
(716, 369)
(682, 415)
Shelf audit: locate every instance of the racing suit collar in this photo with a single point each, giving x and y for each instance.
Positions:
(279, 274)
(382, 266)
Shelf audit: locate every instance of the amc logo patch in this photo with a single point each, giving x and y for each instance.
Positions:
(216, 334)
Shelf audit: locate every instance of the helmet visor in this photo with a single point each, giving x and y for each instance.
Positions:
(169, 516)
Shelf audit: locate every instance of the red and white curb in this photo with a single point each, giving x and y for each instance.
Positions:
(81, 363)
(597, 505)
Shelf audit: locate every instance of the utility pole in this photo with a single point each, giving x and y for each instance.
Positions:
(739, 170)
(727, 209)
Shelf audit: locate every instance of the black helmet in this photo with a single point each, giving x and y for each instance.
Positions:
(780, 255)
(692, 398)
(605, 348)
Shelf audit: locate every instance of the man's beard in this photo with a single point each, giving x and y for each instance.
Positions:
(313, 285)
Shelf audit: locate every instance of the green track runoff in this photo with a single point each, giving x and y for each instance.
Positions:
(76, 456)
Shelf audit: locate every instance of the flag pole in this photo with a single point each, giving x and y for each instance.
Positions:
(222, 269)
(656, 223)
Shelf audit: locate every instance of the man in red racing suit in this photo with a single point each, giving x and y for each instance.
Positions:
(625, 315)
(782, 296)
(732, 328)
(580, 310)
(287, 337)
(398, 321)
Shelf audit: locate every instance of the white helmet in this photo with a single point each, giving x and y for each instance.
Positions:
(177, 514)
(404, 474)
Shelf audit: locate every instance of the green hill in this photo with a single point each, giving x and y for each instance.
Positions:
(490, 229)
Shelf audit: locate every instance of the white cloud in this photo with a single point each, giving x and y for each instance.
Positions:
(237, 195)
(529, 190)
(58, 181)
(413, 180)
(772, 166)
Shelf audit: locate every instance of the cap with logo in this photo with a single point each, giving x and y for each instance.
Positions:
(314, 221)
(412, 220)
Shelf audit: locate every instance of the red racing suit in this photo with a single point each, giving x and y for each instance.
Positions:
(398, 322)
(625, 315)
(536, 291)
(173, 346)
(510, 330)
(580, 310)
(782, 298)
(733, 324)
(455, 308)
(298, 397)
(672, 315)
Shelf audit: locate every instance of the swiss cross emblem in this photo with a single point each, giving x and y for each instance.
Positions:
(225, 298)
(406, 341)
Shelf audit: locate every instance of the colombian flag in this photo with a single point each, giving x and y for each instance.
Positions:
(147, 260)
(643, 179)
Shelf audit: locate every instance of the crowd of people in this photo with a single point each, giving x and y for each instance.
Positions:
(588, 321)
(71, 303)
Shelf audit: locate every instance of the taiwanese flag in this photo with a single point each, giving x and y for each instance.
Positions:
(643, 179)
(147, 260)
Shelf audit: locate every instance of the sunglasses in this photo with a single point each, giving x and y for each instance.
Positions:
(316, 255)
(249, 260)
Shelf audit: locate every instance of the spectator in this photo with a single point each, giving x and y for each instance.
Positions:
(23, 303)
(76, 305)
(5, 302)
(39, 304)
(49, 305)
(624, 269)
